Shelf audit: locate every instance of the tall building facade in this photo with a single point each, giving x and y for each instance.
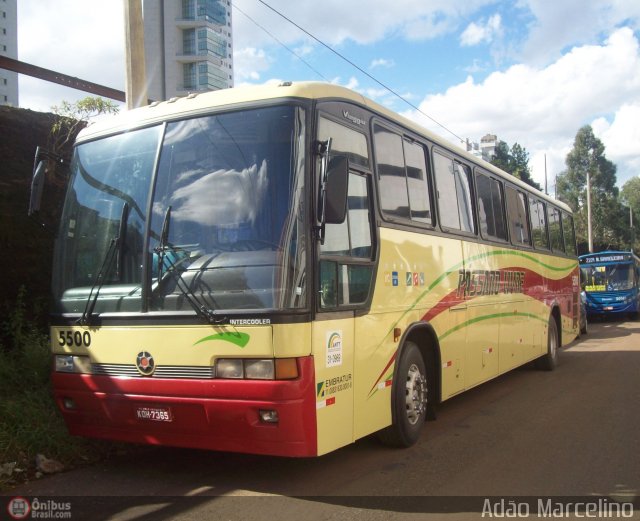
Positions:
(188, 46)
(488, 145)
(9, 48)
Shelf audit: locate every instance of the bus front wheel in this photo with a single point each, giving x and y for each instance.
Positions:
(409, 399)
(549, 361)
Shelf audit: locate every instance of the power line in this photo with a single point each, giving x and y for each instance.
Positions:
(281, 43)
(384, 86)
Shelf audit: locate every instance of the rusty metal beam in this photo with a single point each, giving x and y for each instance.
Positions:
(62, 79)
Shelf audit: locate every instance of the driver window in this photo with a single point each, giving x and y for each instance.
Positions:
(347, 281)
(346, 257)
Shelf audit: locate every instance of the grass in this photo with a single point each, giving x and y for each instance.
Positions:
(30, 422)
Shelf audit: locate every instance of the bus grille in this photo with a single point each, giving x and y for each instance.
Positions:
(162, 371)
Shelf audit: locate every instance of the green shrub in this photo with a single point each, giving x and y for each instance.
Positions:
(30, 422)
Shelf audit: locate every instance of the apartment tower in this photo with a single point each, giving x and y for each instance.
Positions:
(188, 46)
(9, 48)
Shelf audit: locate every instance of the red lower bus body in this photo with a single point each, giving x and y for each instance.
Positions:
(211, 414)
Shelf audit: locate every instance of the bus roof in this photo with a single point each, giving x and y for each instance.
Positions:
(201, 103)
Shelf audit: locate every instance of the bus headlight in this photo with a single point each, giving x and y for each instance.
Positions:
(229, 368)
(257, 369)
(72, 364)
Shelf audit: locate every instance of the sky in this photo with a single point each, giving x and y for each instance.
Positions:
(530, 71)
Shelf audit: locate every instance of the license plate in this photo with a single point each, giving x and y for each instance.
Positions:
(157, 414)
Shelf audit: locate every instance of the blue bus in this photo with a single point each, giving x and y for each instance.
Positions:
(609, 282)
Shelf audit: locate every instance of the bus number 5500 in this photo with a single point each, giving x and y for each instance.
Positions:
(74, 338)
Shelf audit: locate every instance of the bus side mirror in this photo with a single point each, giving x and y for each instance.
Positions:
(336, 190)
(37, 185)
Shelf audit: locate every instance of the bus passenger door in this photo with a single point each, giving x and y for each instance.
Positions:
(333, 349)
(345, 278)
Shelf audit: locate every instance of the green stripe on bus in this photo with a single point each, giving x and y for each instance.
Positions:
(239, 339)
(457, 266)
(488, 317)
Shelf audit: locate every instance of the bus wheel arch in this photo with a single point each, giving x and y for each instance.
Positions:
(416, 386)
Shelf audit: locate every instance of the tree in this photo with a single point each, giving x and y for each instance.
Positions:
(630, 196)
(71, 118)
(515, 161)
(502, 156)
(607, 221)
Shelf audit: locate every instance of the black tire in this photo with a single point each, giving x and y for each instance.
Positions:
(584, 329)
(409, 399)
(549, 361)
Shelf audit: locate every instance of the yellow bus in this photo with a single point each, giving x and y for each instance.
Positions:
(287, 269)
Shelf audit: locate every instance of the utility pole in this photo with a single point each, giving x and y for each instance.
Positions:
(589, 232)
(136, 88)
(633, 231)
(546, 191)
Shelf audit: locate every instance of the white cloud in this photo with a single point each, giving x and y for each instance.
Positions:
(621, 138)
(481, 32)
(338, 20)
(543, 108)
(573, 22)
(304, 50)
(249, 63)
(382, 62)
(82, 39)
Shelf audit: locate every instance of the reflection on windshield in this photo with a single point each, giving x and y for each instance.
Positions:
(236, 237)
(233, 183)
(106, 176)
(614, 277)
(244, 193)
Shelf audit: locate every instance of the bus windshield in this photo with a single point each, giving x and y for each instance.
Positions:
(224, 225)
(610, 277)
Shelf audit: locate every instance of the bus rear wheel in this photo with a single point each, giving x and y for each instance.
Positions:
(409, 400)
(549, 361)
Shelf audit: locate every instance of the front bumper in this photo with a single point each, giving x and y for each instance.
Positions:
(210, 414)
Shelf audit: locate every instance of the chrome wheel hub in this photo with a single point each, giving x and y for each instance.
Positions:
(416, 394)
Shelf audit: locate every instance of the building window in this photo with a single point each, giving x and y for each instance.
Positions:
(211, 43)
(189, 41)
(189, 73)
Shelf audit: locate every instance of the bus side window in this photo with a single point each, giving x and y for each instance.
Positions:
(394, 196)
(403, 179)
(538, 224)
(555, 230)
(569, 233)
(517, 215)
(453, 185)
(490, 208)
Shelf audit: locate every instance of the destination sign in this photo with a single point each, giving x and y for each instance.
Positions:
(598, 259)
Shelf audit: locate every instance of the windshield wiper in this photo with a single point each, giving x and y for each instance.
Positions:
(112, 257)
(163, 247)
